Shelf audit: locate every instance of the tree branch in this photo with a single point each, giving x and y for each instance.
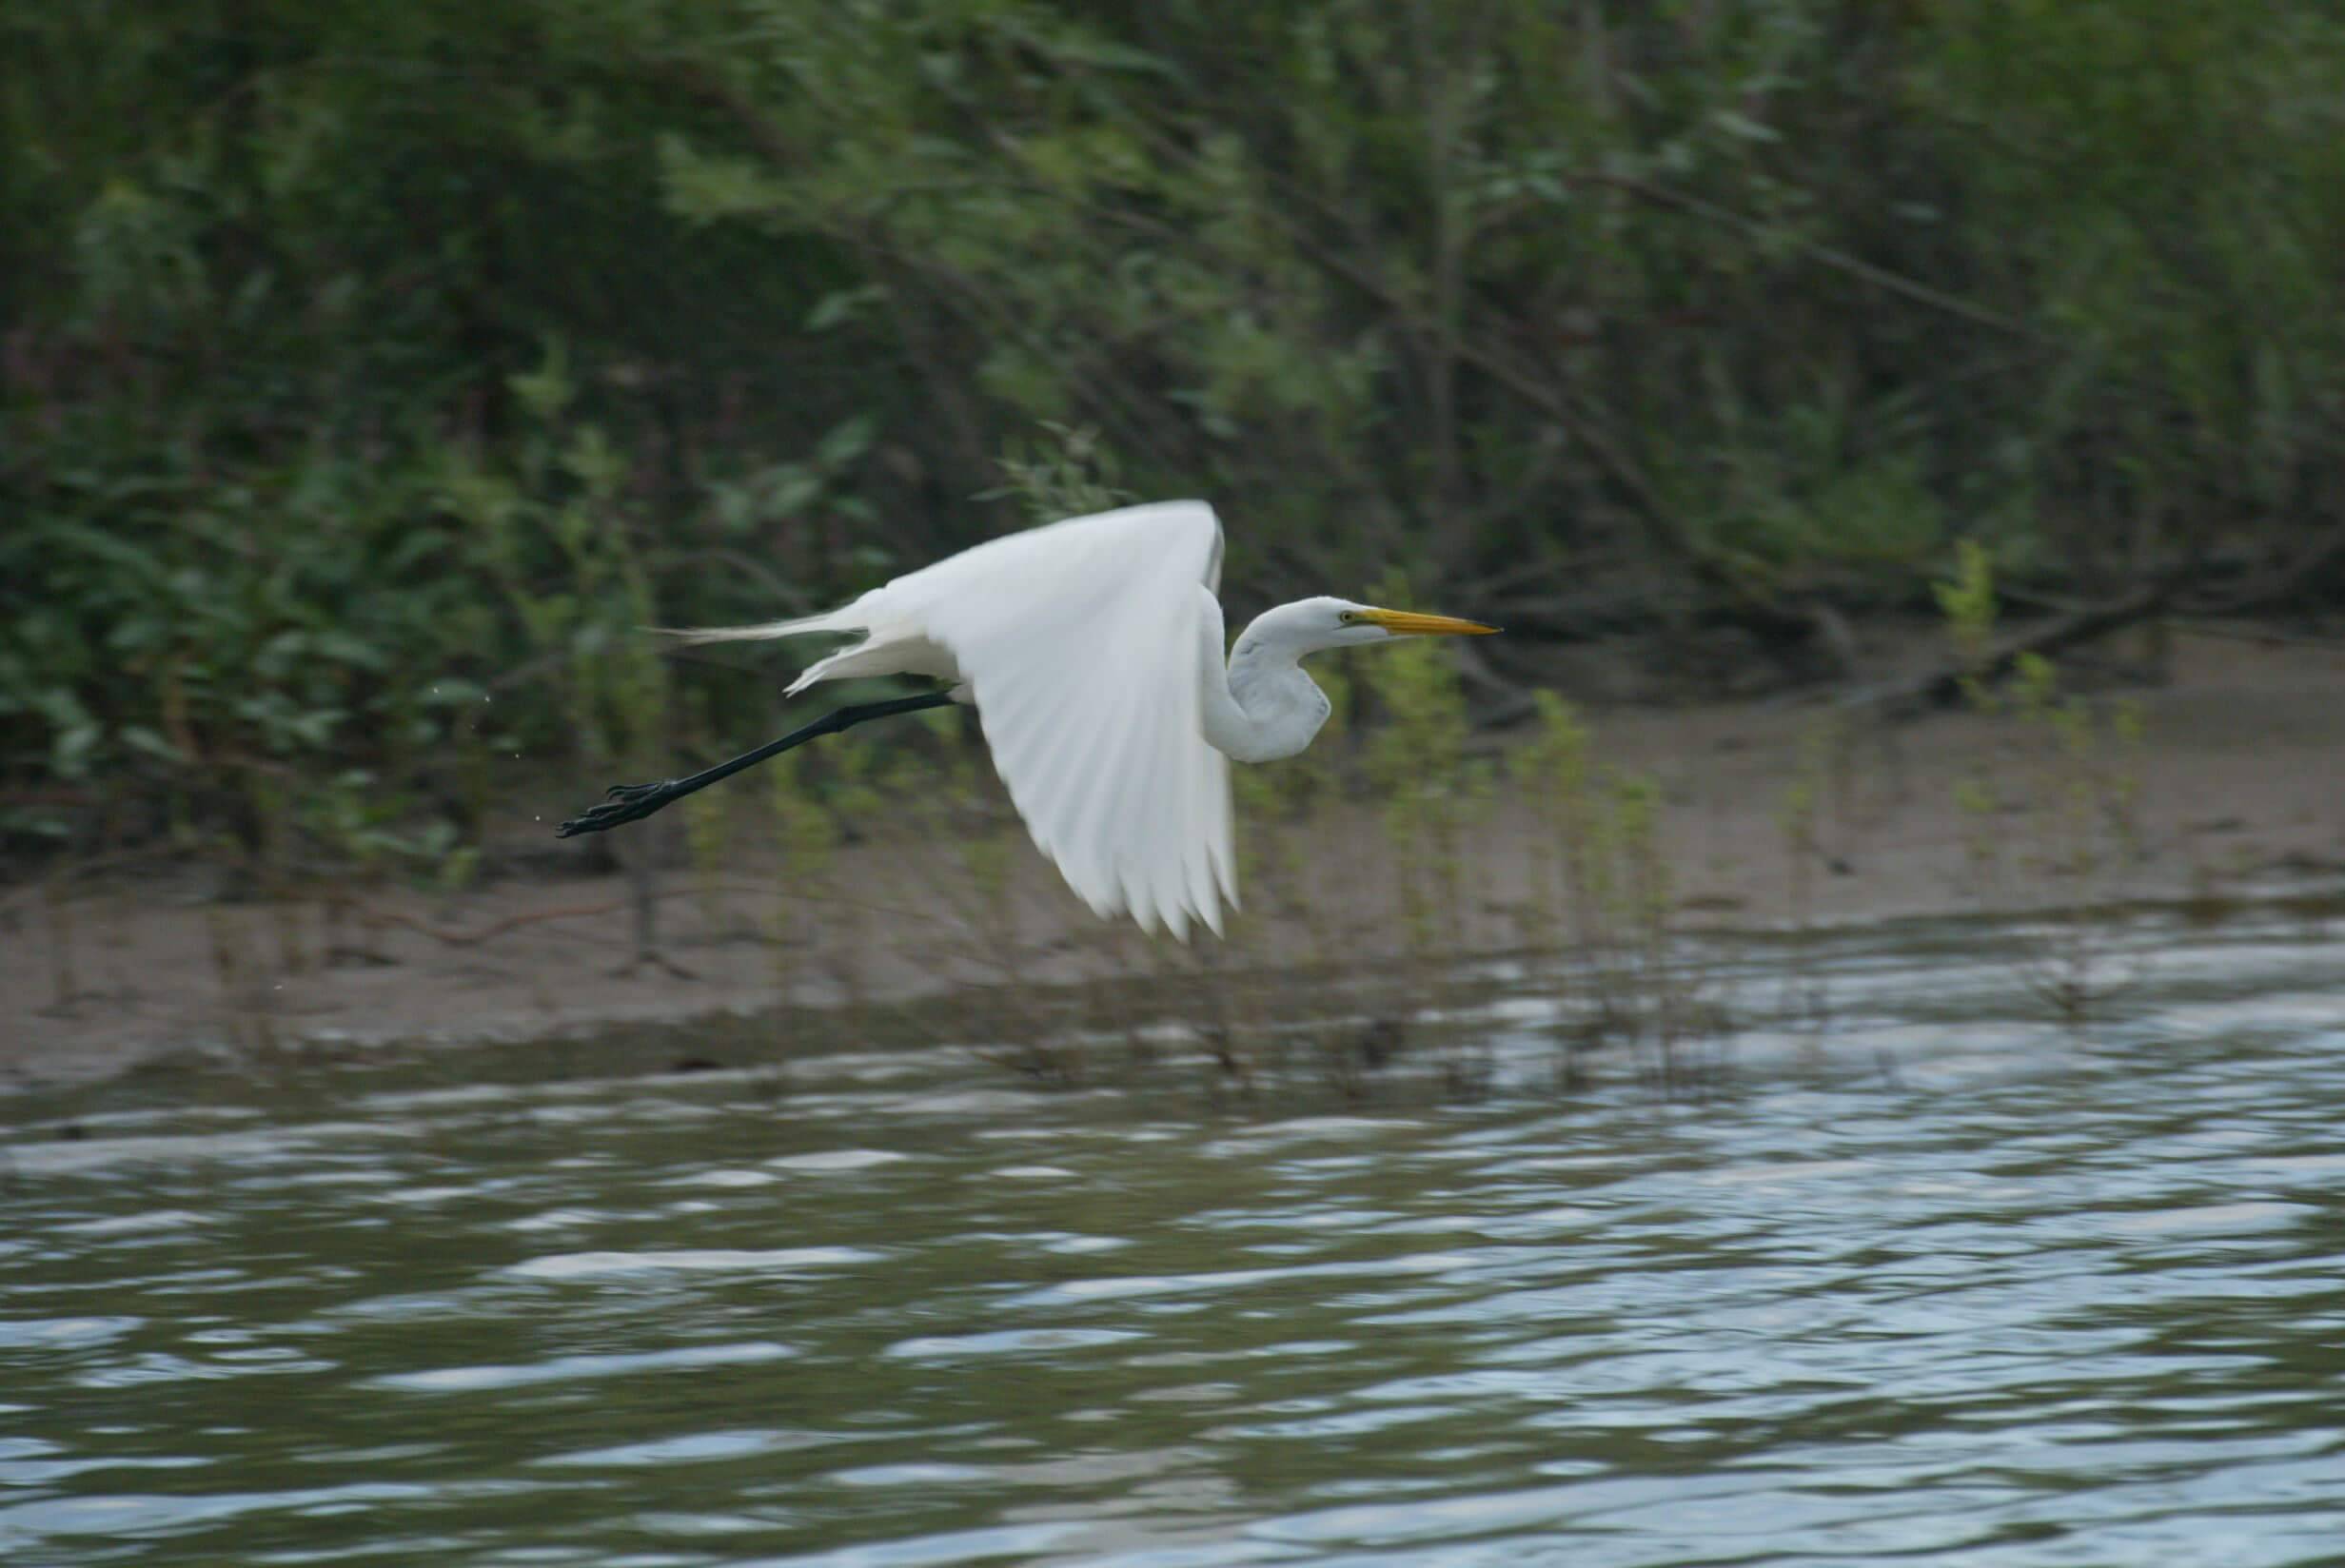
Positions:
(1943, 687)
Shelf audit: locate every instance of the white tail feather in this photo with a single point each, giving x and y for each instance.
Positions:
(827, 621)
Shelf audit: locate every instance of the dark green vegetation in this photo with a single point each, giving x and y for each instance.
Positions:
(366, 364)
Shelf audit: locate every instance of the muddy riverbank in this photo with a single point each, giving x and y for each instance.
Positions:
(2241, 792)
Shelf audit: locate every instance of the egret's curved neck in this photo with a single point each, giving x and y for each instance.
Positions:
(1260, 706)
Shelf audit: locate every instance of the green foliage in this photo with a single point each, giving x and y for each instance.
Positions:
(1063, 473)
(1550, 772)
(2050, 812)
(1431, 790)
(1968, 602)
(358, 363)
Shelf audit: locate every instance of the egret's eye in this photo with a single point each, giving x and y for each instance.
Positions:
(1346, 615)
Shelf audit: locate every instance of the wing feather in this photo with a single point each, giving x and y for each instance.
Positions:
(1077, 642)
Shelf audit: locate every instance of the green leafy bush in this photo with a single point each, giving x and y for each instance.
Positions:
(1681, 311)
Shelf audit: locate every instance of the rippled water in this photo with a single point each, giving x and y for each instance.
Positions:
(1944, 1282)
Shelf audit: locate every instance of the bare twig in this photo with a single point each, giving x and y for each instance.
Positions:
(1943, 687)
(2282, 583)
(1824, 255)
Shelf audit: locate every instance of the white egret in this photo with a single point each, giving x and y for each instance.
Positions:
(1093, 651)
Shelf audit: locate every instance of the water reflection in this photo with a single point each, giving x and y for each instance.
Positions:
(1950, 1283)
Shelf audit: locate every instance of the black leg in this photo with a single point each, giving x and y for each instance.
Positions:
(628, 802)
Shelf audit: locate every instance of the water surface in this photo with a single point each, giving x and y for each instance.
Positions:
(1937, 1281)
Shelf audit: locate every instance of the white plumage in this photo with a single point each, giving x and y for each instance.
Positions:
(1092, 650)
(1058, 637)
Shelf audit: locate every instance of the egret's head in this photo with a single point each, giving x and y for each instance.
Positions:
(1314, 625)
(1340, 623)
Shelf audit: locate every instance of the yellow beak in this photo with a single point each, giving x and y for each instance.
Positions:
(1409, 624)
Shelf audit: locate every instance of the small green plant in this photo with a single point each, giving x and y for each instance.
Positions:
(1550, 773)
(1644, 896)
(807, 837)
(1067, 471)
(1799, 817)
(1968, 602)
(1432, 792)
(707, 838)
(1604, 871)
(2053, 815)
(1596, 876)
(564, 540)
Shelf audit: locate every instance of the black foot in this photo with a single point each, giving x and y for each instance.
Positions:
(628, 803)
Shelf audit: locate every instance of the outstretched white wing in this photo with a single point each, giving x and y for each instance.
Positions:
(1078, 642)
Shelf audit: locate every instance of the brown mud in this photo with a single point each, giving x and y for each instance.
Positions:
(2241, 785)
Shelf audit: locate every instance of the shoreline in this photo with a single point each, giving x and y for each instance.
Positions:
(2242, 794)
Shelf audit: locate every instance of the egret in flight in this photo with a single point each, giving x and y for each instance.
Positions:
(1093, 652)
